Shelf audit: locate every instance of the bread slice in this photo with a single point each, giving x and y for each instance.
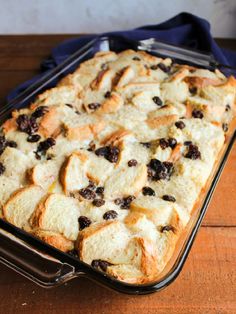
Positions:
(73, 174)
(44, 174)
(98, 168)
(57, 213)
(128, 273)
(50, 123)
(22, 204)
(7, 187)
(54, 239)
(106, 241)
(126, 181)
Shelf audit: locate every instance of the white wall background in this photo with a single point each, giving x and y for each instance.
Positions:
(78, 16)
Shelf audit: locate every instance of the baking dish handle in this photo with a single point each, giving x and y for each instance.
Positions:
(39, 267)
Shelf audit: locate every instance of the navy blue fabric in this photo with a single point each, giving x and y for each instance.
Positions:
(184, 29)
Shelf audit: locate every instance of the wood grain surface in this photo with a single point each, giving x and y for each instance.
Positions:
(207, 283)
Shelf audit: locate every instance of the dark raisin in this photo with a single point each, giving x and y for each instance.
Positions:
(187, 143)
(45, 145)
(98, 202)
(100, 190)
(172, 142)
(136, 58)
(107, 94)
(148, 191)
(155, 164)
(127, 201)
(87, 194)
(168, 228)
(23, 122)
(193, 152)
(33, 138)
(113, 155)
(92, 147)
(102, 151)
(227, 107)
(37, 156)
(147, 144)
(2, 169)
(193, 90)
(39, 112)
(100, 264)
(118, 201)
(84, 222)
(225, 127)
(157, 170)
(197, 114)
(164, 67)
(168, 198)
(154, 67)
(2, 144)
(169, 166)
(69, 105)
(180, 125)
(157, 100)
(111, 214)
(12, 144)
(91, 185)
(132, 163)
(33, 126)
(163, 143)
(94, 106)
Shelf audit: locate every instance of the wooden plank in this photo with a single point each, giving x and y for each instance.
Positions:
(206, 285)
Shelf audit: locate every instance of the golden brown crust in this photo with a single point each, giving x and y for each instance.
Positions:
(162, 121)
(55, 239)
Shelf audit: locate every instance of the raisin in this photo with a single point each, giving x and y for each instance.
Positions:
(157, 100)
(12, 144)
(132, 163)
(168, 228)
(187, 143)
(113, 154)
(40, 111)
(2, 144)
(169, 167)
(107, 94)
(197, 114)
(136, 58)
(87, 194)
(33, 138)
(158, 170)
(148, 191)
(100, 264)
(193, 152)
(100, 190)
(111, 214)
(168, 198)
(33, 126)
(193, 90)
(180, 125)
(163, 143)
(118, 201)
(102, 151)
(225, 127)
(45, 145)
(91, 185)
(94, 106)
(127, 201)
(147, 144)
(84, 222)
(23, 122)
(164, 67)
(172, 142)
(227, 107)
(2, 169)
(98, 202)
(37, 156)
(154, 67)
(69, 105)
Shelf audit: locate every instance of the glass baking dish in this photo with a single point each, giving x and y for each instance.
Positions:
(49, 267)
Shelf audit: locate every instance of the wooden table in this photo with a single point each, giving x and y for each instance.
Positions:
(207, 284)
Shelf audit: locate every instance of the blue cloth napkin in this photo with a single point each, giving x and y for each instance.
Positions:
(184, 29)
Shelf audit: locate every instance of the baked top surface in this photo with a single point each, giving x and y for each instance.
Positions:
(112, 161)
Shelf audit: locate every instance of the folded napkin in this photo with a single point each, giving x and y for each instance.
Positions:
(183, 29)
